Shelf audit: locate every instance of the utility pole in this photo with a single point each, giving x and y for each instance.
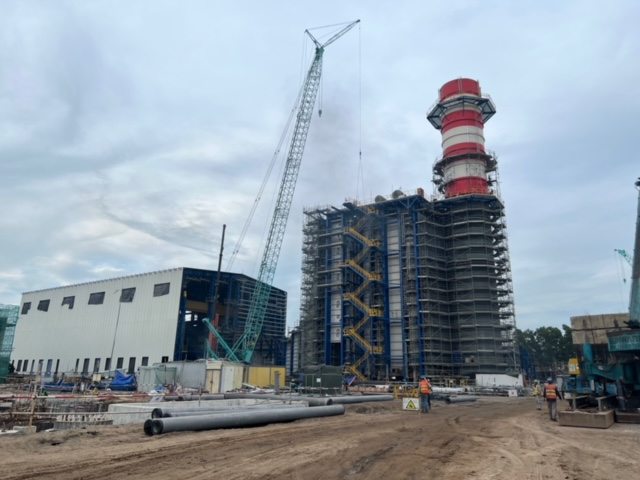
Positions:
(214, 305)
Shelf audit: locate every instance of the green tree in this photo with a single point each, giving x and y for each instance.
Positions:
(550, 346)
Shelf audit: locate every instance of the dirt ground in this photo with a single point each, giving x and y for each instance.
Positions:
(494, 438)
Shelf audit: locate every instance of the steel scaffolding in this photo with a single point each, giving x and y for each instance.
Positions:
(412, 286)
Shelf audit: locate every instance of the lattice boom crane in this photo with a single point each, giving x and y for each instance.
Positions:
(244, 347)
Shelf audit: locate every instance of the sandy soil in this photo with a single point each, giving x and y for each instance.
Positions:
(494, 438)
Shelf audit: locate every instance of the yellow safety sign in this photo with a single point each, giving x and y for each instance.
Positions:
(410, 404)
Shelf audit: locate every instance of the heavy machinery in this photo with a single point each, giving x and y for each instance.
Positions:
(609, 362)
(243, 348)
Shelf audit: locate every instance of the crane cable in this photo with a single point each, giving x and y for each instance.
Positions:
(360, 175)
(247, 223)
(285, 134)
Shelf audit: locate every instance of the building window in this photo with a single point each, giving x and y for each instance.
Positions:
(160, 289)
(68, 301)
(77, 364)
(120, 362)
(49, 365)
(19, 367)
(145, 361)
(43, 305)
(132, 365)
(96, 365)
(107, 364)
(96, 298)
(33, 365)
(85, 366)
(126, 296)
(25, 365)
(26, 307)
(57, 366)
(165, 360)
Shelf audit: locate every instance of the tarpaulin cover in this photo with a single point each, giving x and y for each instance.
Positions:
(122, 381)
(60, 386)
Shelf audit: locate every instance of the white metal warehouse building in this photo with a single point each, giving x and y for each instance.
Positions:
(138, 320)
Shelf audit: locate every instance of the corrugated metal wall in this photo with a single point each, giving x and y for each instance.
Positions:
(144, 327)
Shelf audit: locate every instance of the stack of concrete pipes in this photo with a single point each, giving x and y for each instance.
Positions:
(166, 420)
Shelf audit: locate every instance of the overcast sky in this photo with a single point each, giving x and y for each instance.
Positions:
(131, 131)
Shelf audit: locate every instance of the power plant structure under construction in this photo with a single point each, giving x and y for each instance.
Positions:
(413, 285)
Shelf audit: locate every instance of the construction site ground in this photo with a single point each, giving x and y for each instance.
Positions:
(493, 438)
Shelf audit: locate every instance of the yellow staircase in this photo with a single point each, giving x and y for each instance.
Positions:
(363, 221)
(353, 297)
(351, 332)
(367, 241)
(372, 312)
(354, 368)
(365, 273)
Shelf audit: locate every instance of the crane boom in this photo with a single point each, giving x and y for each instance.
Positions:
(625, 255)
(245, 345)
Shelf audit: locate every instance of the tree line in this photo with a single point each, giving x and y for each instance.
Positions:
(547, 348)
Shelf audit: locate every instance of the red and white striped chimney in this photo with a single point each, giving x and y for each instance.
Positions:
(460, 113)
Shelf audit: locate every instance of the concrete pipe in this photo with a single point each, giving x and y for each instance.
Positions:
(190, 412)
(362, 399)
(460, 399)
(312, 401)
(237, 419)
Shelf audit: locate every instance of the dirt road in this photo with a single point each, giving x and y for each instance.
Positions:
(494, 438)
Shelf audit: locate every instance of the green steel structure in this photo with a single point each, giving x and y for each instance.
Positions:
(8, 320)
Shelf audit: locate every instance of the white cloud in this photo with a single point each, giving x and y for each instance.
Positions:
(130, 132)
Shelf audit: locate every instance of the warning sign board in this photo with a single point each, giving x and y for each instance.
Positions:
(411, 404)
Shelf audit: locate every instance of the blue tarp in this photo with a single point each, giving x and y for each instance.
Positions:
(122, 381)
(60, 386)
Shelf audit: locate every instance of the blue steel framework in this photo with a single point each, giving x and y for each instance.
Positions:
(232, 309)
(8, 320)
(455, 315)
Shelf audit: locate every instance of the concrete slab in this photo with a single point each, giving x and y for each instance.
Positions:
(585, 419)
(31, 429)
(627, 417)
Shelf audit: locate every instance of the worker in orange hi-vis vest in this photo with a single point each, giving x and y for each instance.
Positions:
(425, 395)
(552, 394)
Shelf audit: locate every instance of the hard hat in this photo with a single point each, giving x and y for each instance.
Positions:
(536, 381)
(549, 380)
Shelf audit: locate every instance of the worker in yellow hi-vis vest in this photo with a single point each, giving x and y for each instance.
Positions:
(537, 392)
(425, 395)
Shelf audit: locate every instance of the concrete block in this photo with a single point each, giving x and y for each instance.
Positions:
(31, 429)
(586, 420)
(628, 417)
